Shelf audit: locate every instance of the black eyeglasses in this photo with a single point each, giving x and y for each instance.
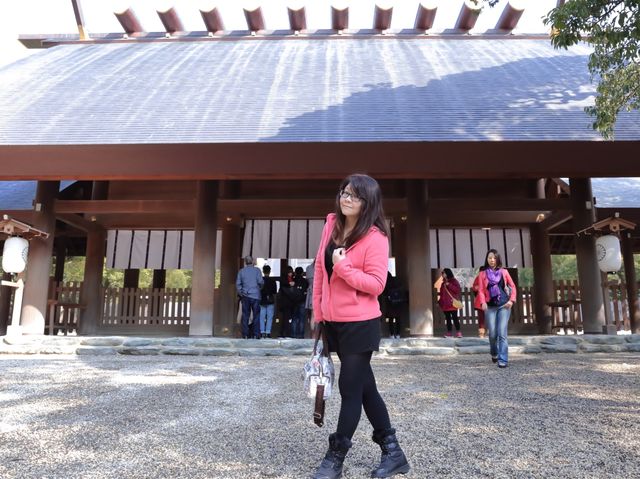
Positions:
(345, 195)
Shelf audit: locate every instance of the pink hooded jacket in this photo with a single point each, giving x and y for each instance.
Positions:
(356, 282)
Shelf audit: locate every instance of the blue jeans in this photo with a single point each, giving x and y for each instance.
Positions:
(297, 324)
(497, 321)
(249, 305)
(266, 317)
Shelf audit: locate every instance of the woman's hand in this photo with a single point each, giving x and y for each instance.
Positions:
(508, 304)
(484, 306)
(338, 255)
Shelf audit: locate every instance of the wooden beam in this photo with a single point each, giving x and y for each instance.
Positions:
(233, 161)
(556, 219)
(425, 16)
(77, 11)
(499, 204)
(124, 206)
(212, 20)
(78, 222)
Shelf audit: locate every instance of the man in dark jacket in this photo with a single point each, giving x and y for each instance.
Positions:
(249, 283)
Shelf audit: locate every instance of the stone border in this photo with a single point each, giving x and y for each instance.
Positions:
(140, 346)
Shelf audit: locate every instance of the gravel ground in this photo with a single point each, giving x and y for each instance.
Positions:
(227, 417)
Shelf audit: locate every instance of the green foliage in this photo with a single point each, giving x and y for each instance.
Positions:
(613, 28)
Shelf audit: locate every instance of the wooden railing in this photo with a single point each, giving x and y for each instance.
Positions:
(63, 308)
(146, 310)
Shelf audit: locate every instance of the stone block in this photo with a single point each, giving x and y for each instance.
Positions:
(420, 351)
(178, 342)
(560, 340)
(293, 343)
(601, 348)
(632, 338)
(559, 348)
(484, 349)
(467, 342)
(219, 352)
(139, 342)
(181, 351)
(57, 349)
(106, 341)
(95, 351)
(139, 350)
(212, 343)
(632, 347)
(531, 349)
(602, 339)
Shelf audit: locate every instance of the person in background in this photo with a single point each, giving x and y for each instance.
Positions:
(285, 303)
(351, 271)
(450, 290)
(308, 304)
(497, 293)
(248, 284)
(478, 306)
(299, 297)
(268, 298)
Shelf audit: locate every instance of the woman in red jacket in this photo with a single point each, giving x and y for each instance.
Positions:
(350, 273)
(497, 295)
(450, 289)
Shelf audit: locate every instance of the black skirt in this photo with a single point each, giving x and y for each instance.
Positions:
(353, 337)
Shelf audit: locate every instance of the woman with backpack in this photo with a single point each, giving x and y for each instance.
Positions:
(496, 295)
(449, 291)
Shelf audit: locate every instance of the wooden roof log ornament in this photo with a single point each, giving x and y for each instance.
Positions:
(510, 15)
(77, 11)
(255, 19)
(614, 224)
(426, 16)
(297, 17)
(171, 21)
(339, 17)
(468, 16)
(129, 21)
(382, 17)
(212, 19)
(11, 227)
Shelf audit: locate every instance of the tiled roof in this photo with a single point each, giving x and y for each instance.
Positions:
(300, 90)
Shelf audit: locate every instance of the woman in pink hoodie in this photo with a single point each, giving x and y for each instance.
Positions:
(350, 273)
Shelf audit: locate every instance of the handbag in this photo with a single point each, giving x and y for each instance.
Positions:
(455, 302)
(319, 375)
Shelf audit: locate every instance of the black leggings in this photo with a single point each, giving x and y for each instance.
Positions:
(358, 389)
(452, 315)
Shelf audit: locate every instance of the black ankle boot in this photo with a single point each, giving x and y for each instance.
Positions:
(331, 465)
(393, 460)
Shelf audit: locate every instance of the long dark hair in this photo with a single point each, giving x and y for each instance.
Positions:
(448, 273)
(496, 255)
(371, 212)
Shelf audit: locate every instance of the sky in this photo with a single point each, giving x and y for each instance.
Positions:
(56, 16)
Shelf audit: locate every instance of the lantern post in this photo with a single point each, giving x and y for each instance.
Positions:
(609, 257)
(14, 261)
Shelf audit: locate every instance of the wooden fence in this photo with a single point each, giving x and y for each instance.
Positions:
(63, 308)
(146, 310)
(167, 311)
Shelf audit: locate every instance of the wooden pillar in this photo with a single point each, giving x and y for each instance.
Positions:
(92, 297)
(588, 272)
(224, 320)
(419, 264)
(630, 280)
(400, 248)
(159, 280)
(542, 278)
(131, 278)
(204, 259)
(34, 303)
(5, 303)
(61, 256)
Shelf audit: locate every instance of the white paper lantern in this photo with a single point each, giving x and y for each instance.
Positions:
(14, 255)
(608, 253)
